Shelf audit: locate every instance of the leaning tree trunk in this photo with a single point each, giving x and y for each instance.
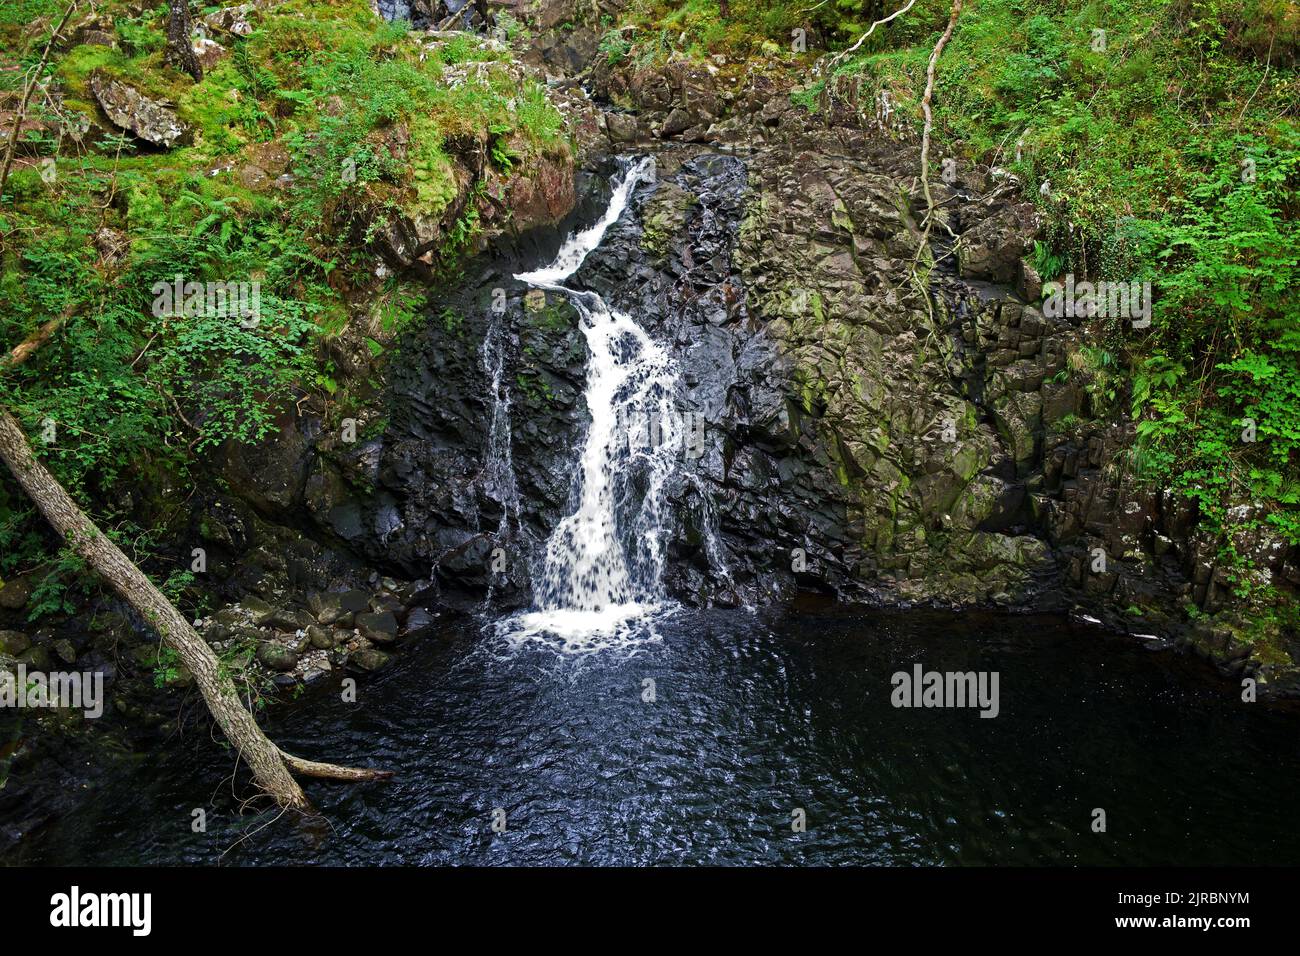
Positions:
(137, 590)
(180, 51)
(271, 766)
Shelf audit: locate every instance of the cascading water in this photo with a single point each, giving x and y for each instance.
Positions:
(603, 564)
(498, 475)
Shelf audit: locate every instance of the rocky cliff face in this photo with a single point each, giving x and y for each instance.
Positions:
(884, 421)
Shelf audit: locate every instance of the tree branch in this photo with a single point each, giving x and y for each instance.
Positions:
(863, 39)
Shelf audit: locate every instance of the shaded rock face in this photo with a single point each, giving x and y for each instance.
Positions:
(425, 496)
(839, 455)
(827, 250)
(859, 441)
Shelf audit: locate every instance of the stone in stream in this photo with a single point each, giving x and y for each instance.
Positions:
(284, 618)
(320, 637)
(380, 628)
(369, 659)
(276, 657)
(386, 602)
(417, 619)
(326, 607)
(252, 607)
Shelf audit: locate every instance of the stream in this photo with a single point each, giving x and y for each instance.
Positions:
(753, 716)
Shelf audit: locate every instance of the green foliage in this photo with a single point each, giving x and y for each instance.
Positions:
(369, 119)
(166, 668)
(615, 47)
(56, 590)
(1219, 393)
(1173, 157)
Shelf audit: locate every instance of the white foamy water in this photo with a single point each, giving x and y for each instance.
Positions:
(603, 566)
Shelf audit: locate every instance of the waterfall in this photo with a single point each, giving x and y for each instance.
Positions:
(603, 564)
(498, 475)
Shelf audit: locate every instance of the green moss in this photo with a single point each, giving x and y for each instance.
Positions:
(76, 66)
(431, 171)
(665, 218)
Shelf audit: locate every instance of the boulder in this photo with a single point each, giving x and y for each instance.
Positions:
(321, 638)
(15, 594)
(129, 109)
(379, 627)
(13, 643)
(369, 659)
(277, 657)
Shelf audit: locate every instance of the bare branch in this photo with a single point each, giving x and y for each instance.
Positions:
(863, 39)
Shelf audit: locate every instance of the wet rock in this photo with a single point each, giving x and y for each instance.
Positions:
(314, 665)
(134, 112)
(380, 628)
(286, 619)
(15, 593)
(277, 657)
(417, 619)
(326, 608)
(13, 643)
(65, 651)
(321, 638)
(250, 608)
(369, 659)
(386, 602)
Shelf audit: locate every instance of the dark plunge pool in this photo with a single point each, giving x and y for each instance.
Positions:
(754, 717)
